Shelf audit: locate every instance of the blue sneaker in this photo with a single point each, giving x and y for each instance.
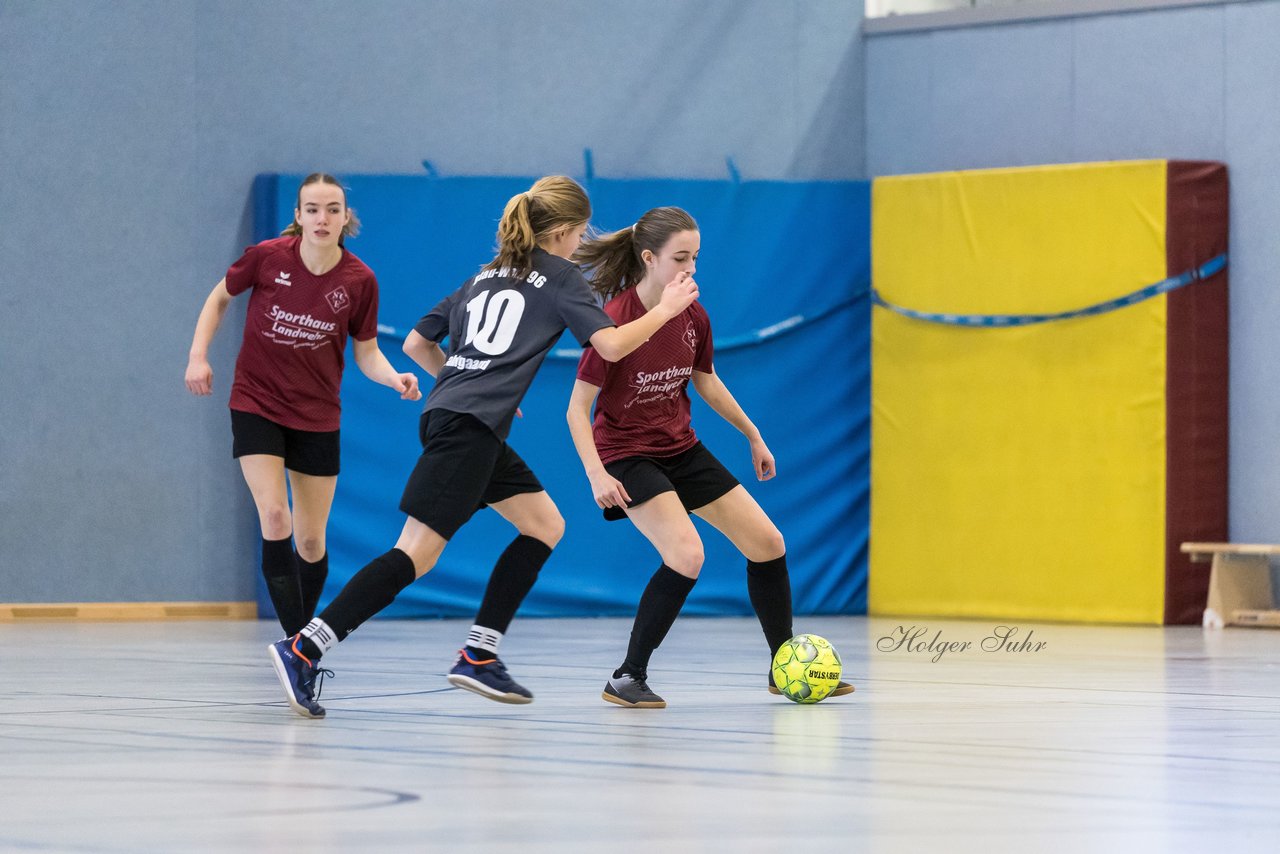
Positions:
(488, 678)
(297, 675)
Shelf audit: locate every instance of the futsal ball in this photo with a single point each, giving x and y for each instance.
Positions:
(806, 669)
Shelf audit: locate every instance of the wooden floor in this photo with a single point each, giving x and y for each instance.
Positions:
(171, 737)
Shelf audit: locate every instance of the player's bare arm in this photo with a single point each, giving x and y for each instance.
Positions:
(426, 353)
(374, 365)
(713, 390)
(199, 377)
(616, 342)
(606, 489)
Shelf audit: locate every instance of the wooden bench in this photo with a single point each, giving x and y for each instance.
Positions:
(1239, 583)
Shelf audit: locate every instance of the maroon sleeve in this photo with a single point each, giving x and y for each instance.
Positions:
(243, 274)
(703, 359)
(591, 367)
(363, 322)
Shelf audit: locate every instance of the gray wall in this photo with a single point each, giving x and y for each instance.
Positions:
(1193, 83)
(130, 132)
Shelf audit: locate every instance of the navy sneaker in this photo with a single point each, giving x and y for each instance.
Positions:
(632, 692)
(842, 687)
(297, 675)
(488, 678)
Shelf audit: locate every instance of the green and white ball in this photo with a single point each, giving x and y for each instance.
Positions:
(806, 669)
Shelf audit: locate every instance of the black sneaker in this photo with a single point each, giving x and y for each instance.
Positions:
(632, 692)
(842, 687)
(488, 678)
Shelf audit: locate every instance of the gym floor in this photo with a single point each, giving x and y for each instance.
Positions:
(172, 736)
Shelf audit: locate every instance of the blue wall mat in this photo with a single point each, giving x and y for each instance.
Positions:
(796, 254)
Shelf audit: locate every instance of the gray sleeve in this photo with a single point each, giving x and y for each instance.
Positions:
(434, 325)
(578, 307)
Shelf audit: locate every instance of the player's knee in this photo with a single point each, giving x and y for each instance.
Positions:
(549, 528)
(276, 521)
(310, 546)
(686, 558)
(772, 545)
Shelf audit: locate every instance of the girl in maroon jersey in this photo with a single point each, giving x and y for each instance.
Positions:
(643, 458)
(308, 294)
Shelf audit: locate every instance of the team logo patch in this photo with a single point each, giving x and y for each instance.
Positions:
(691, 337)
(338, 299)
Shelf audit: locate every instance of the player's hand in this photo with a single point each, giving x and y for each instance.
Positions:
(608, 490)
(199, 377)
(407, 385)
(679, 294)
(762, 459)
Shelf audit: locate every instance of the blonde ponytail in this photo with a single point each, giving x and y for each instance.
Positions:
(552, 203)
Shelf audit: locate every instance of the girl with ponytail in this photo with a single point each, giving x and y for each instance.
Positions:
(643, 459)
(500, 324)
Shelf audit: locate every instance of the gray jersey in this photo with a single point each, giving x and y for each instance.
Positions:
(499, 332)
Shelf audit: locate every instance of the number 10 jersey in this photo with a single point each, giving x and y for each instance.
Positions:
(500, 329)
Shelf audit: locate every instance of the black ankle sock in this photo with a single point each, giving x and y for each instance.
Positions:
(478, 654)
(311, 577)
(769, 587)
(660, 604)
(369, 591)
(309, 648)
(512, 578)
(280, 571)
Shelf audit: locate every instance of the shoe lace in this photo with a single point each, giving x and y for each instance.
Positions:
(316, 678)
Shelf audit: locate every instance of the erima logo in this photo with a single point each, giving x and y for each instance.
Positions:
(283, 279)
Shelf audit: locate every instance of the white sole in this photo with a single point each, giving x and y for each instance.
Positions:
(457, 680)
(278, 665)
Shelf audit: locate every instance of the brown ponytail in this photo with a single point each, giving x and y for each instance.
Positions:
(613, 261)
(552, 203)
(351, 229)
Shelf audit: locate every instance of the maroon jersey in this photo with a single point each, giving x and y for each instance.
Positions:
(290, 364)
(643, 406)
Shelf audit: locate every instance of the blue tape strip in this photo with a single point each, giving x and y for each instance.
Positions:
(734, 342)
(1204, 271)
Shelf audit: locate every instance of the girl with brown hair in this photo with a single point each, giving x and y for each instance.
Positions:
(645, 462)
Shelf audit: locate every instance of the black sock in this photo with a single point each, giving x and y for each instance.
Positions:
(311, 576)
(368, 592)
(281, 574)
(769, 587)
(660, 604)
(512, 579)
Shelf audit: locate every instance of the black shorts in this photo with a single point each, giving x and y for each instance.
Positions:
(304, 451)
(464, 466)
(695, 476)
